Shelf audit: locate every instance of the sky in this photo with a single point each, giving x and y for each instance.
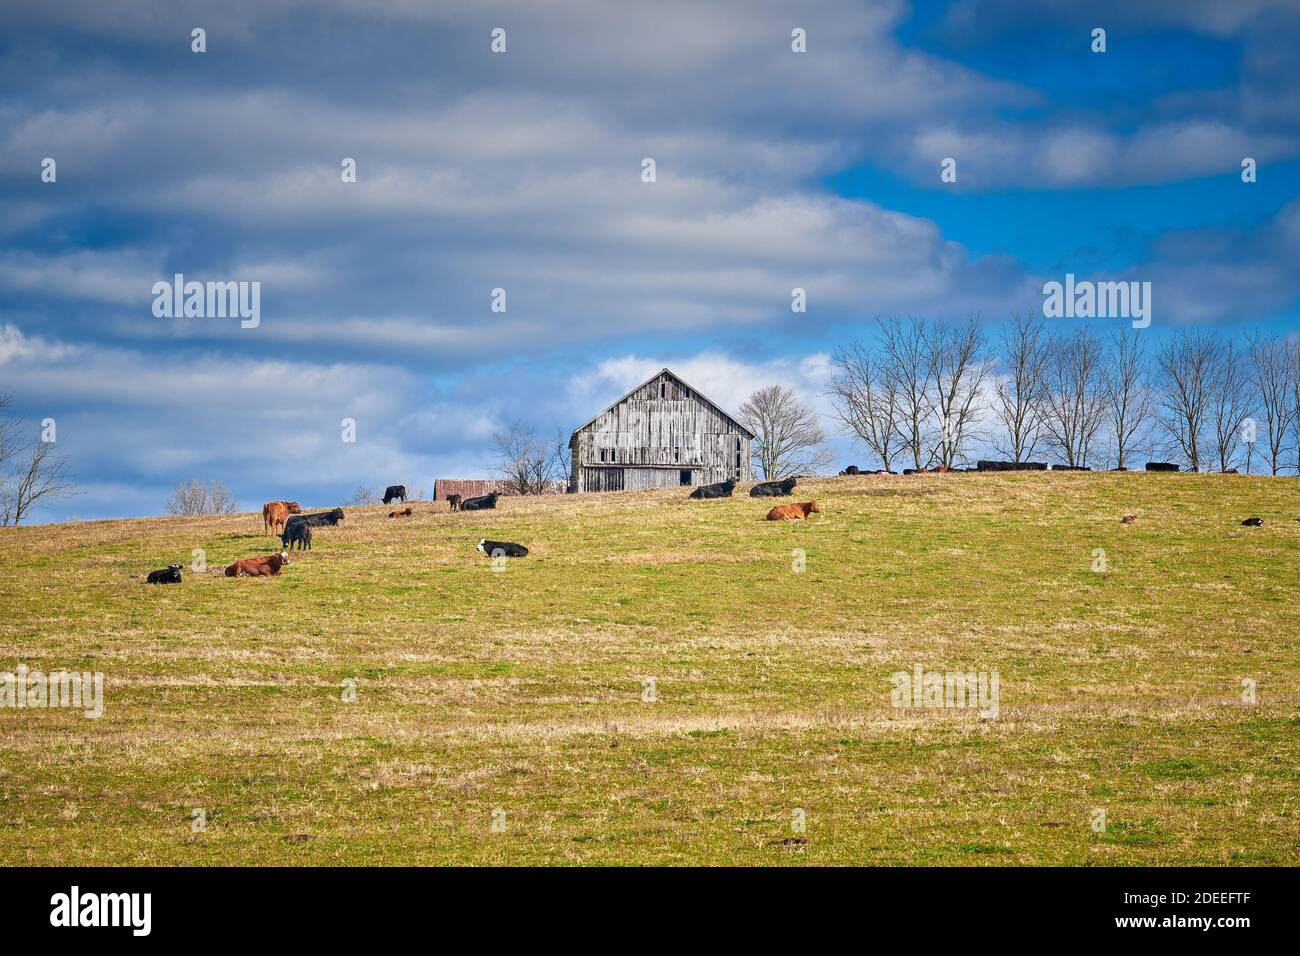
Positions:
(522, 170)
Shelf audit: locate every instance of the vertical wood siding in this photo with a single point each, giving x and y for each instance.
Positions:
(653, 435)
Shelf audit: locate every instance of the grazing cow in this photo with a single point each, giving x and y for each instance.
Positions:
(793, 512)
(498, 549)
(276, 513)
(405, 513)
(168, 575)
(1161, 466)
(722, 489)
(1253, 522)
(481, 503)
(454, 501)
(298, 532)
(393, 493)
(267, 565)
(851, 470)
(773, 489)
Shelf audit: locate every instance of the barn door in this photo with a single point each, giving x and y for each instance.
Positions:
(685, 478)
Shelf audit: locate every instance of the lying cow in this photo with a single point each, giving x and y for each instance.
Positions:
(405, 513)
(168, 575)
(851, 470)
(497, 549)
(276, 513)
(773, 489)
(793, 512)
(267, 565)
(1253, 522)
(299, 532)
(722, 489)
(393, 493)
(318, 519)
(1161, 466)
(481, 503)
(454, 501)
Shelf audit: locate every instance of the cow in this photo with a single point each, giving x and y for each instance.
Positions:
(276, 513)
(722, 489)
(405, 513)
(851, 470)
(773, 489)
(299, 532)
(267, 565)
(168, 575)
(497, 549)
(481, 503)
(393, 493)
(793, 512)
(1253, 522)
(1161, 466)
(318, 518)
(454, 501)
(987, 465)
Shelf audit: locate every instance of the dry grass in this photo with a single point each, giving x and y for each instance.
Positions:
(522, 690)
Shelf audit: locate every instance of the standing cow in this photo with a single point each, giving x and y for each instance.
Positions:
(394, 493)
(454, 501)
(276, 513)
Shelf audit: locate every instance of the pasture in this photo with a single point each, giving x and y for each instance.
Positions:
(522, 690)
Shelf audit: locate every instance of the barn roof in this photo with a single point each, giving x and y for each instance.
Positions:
(680, 381)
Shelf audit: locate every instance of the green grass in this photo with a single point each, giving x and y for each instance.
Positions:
(522, 690)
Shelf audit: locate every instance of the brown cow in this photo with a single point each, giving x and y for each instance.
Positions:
(793, 512)
(454, 501)
(276, 513)
(401, 514)
(266, 564)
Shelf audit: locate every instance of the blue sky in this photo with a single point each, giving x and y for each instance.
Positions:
(522, 170)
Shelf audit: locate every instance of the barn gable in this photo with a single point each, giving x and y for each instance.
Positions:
(664, 433)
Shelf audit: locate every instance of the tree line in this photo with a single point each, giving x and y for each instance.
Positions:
(922, 393)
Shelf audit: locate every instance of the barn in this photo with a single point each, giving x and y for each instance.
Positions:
(662, 434)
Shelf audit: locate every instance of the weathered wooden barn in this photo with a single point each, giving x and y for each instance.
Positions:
(662, 434)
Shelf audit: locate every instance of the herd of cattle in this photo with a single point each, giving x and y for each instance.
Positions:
(286, 519)
(295, 528)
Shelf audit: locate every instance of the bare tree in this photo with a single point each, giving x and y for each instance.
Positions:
(29, 471)
(193, 498)
(905, 372)
(1128, 393)
(364, 496)
(789, 440)
(1187, 366)
(1018, 395)
(957, 367)
(1073, 395)
(528, 463)
(1271, 365)
(866, 401)
(1229, 402)
(41, 475)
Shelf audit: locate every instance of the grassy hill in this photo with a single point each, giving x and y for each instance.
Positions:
(522, 690)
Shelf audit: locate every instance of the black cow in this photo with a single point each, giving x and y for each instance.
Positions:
(986, 465)
(1253, 522)
(299, 533)
(722, 489)
(1161, 466)
(851, 470)
(481, 503)
(168, 575)
(318, 519)
(393, 492)
(773, 489)
(498, 549)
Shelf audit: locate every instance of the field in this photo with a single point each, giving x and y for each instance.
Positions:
(520, 695)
